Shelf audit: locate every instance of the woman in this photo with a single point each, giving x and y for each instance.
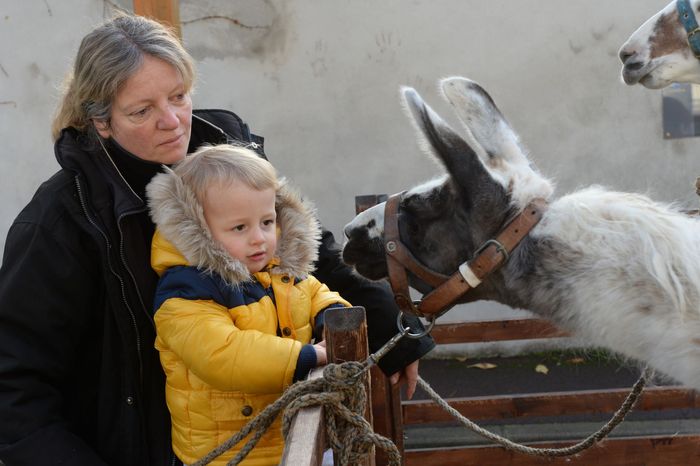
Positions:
(80, 380)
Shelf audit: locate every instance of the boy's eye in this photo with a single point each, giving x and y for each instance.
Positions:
(268, 222)
(239, 227)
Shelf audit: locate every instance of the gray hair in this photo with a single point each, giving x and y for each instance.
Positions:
(108, 56)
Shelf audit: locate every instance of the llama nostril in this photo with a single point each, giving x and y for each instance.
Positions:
(625, 55)
(347, 231)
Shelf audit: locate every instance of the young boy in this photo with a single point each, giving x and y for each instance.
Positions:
(235, 306)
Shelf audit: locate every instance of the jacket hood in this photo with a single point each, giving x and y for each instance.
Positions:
(179, 218)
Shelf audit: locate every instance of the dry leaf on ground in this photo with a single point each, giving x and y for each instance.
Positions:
(483, 365)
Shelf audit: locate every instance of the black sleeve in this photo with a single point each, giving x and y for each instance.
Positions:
(378, 301)
(42, 318)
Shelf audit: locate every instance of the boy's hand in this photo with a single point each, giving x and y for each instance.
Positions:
(321, 357)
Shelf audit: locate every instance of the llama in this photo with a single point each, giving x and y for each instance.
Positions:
(616, 269)
(664, 49)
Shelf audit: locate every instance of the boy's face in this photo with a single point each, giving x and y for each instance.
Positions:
(243, 220)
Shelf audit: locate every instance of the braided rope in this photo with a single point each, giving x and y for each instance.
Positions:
(342, 394)
(597, 436)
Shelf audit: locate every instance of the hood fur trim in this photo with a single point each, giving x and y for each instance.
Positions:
(180, 218)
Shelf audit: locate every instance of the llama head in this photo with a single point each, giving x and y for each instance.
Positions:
(444, 221)
(657, 53)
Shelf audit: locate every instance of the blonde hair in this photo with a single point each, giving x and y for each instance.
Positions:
(108, 56)
(224, 164)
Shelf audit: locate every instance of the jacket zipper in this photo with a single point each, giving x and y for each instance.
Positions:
(92, 222)
(126, 266)
(119, 226)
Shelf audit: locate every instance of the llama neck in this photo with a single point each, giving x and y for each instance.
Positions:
(608, 250)
(532, 282)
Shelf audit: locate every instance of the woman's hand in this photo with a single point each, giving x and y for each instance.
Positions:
(409, 374)
(321, 357)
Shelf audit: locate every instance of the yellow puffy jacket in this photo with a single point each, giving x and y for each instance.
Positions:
(230, 343)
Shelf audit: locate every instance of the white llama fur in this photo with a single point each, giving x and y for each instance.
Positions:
(637, 279)
(636, 283)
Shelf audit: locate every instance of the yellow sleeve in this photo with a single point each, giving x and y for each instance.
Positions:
(202, 334)
(322, 297)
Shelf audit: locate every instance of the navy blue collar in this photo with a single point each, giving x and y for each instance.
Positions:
(687, 19)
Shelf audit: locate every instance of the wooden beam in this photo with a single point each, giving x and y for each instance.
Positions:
(548, 404)
(306, 441)
(495, 330)
(625, 451)
(163, 11)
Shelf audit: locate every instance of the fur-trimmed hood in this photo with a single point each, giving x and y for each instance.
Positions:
(183, 237)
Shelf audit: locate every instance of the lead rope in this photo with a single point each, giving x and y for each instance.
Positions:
(351, 437)
(603, 432)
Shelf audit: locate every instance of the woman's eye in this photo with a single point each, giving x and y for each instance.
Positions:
(179, 97)
(139, 113)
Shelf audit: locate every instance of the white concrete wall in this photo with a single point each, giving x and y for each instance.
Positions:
(320, 79)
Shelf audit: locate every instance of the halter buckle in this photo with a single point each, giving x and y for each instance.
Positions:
(499, 248)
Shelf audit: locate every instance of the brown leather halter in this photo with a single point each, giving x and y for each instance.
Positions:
(447, 289)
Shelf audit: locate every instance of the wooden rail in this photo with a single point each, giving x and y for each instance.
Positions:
(673, 450)
(548, 404)
(495, 330)
(306, 441)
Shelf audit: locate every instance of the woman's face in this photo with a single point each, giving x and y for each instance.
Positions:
(151, 114)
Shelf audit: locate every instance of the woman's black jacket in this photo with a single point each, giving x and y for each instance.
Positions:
(80, 380)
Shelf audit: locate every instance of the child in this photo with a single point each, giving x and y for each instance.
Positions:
(235, 306)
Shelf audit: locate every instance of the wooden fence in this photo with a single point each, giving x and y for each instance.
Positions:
(390, 419)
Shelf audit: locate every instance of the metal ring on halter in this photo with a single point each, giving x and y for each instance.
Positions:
(406, 330)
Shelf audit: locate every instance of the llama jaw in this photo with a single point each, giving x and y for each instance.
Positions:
(636, 72)
(364, 254)
(374, 270)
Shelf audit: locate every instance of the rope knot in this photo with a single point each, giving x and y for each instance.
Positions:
(342, 376)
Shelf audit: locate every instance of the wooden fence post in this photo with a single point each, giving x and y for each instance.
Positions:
(346, 340)
(164, 11)
(386, 399)
(386, 412)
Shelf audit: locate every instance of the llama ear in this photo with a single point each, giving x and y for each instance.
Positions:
(456, 154)
(484, 121)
